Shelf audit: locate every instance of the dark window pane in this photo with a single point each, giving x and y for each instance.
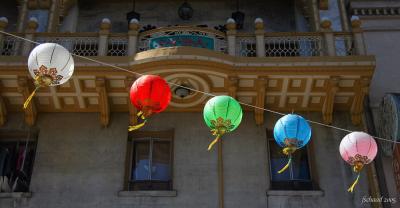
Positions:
(276, 165)
(150, 185)
(151, 165)
(278, 161)
(16, 164)
(141, 162)
(298, 169)
(161, 161)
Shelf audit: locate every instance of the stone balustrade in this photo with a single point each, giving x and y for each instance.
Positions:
(258, 44)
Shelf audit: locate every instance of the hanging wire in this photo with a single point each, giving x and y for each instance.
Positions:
(199, 91)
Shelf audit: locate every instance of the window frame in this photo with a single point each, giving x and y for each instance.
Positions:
(150, 136)
(311, 163)
(21, 136)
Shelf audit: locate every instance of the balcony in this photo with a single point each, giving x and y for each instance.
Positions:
(301, 71)
(258, 44)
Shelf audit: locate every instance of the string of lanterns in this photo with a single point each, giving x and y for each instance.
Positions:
(151, 94)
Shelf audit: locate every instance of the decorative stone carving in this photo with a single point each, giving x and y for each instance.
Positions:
(389, 122)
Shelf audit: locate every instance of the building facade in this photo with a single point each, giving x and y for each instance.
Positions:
(380, 20)
(71, 147)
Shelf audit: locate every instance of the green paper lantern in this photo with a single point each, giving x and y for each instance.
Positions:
(222, 114)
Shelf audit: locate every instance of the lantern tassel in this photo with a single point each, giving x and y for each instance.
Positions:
(213, 142)
(286, 166)
(28, 100)
(135, 127)
(141, 115)
(351, 189)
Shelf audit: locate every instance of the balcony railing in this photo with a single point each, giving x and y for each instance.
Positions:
(298, 44)
(269, 44)
(246, 45)
(80, 44)
(117, 45)
(344, 44)
(10, 46)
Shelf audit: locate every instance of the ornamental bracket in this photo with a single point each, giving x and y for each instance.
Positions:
(232, 83)
(327, 108)
(104, 105)
(260, 100)
(132, 110)
(3, 112)
(361, 90)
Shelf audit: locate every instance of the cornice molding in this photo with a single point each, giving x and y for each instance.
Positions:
(375, 8)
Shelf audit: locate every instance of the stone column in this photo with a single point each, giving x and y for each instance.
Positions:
(260, 40)
(329, 38)
(70, 20)
(23, 11)
(3, 25)
(315, 15)
(133, 36)
(343, 15)
(358, 37)
(53, 16)
(29, 34)
(231, 36)
(105, 27)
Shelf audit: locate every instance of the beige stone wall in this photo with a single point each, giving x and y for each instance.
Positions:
(79, 164)
(382, 40)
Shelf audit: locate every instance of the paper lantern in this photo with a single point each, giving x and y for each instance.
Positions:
(358, 149)
(49, 64)
(291, 132)
(150, 94)
(222, 114)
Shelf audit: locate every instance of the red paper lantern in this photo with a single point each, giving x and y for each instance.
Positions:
(150, 94)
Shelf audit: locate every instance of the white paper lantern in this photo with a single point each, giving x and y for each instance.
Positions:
(50, 64)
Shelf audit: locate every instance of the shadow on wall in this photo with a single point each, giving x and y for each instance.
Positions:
(278, 15)
(9, 9)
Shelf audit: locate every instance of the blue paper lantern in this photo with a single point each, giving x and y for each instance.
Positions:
(291, 132)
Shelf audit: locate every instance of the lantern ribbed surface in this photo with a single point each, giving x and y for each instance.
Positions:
(358, 146)
(51, 60)
(292, 127)
(224, 107)
(150, 91)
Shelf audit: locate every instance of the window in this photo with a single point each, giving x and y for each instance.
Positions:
(17, 154)
(299, 174)
(150, 161)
